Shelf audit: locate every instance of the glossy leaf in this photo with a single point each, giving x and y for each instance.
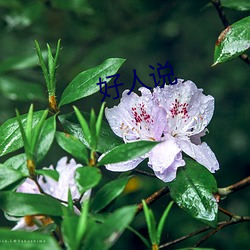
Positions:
(16, 240)
(107, 138)
(46, 137)
(53, 174)
(19, 90)
(241, 5)
(8, 176)
(87, 177)
(73, 146)
(108, 193)
(85, 83)
(18, 162)
(10, 136)
(105, 235)
(20, 204)
(193, 191)
(232, 41)
(127, 152)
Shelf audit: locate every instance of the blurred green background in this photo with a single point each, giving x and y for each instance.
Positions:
(144, 33)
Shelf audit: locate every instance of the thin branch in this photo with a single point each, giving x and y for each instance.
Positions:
(224, 211)
(223, 192)
(144, 173)
(235, 220)
(226, 23)
(152, 198)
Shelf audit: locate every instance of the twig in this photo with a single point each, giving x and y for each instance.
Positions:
(226, 23)
(224, 211)
(144, 173)
(235, 220)
(223, 192)
(152, 198)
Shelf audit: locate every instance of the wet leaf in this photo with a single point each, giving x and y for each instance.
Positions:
(193, 191)
(85, 83)
(10, 135)
(20, 204)
(232, 41)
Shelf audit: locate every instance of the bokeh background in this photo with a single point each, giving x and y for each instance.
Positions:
(144, 32)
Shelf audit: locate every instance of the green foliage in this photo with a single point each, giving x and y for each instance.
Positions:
(108, 193)
(154, 231)
(29, 204)
(110, 230)
(85, 83)
(127, 152)
(233, 41)
(9, 176)
(87, 178)
(193, 190)
(107, 139)
(10, 136)
(73, 146)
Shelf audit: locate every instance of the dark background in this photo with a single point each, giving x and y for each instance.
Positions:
(144, 33)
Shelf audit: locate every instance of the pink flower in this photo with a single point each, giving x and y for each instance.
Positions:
(58, 189)
(177, 115)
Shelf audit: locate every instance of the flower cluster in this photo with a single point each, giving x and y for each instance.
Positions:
(58, 189)
(176, 115)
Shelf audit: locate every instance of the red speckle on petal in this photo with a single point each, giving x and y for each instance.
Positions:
(179, 109)
(140, 114)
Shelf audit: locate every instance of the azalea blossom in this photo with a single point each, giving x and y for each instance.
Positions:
(176, 115)
(58, 189)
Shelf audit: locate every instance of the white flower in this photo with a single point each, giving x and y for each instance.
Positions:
(58, 189)
(177, 115)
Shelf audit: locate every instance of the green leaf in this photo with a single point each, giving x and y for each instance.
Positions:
(193, 191)
(151, 223)
(87, 177)
(92, 127)
(19, 90)
(84, 125)
(232, 41)
(46, 137)
(99, 121)
(73, 146)
(69, 230)
(105, 235)
(20, 204)
(18, 162)
(107, 139)
(241, 5)
(162, 221)
(53, 174)
(8, 176)
(127, 152)
(10, 136)
(16, 240)
(85, 83)
(195, 248)
(108, 193)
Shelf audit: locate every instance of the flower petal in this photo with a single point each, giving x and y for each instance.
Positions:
(124, 166)
(201, 153)
(165, 158)
(29, 187)
(189, 110)
(137, 117)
